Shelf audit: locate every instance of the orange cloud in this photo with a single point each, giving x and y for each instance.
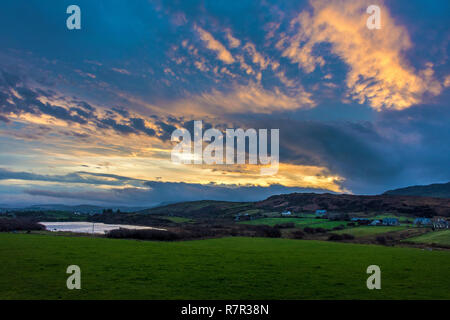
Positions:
(222, 53)
(379, 74)
(252, 97)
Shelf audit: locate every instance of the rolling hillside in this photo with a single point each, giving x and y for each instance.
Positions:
(417, 206)
(201, 209)
(309, 202)
(436, 190)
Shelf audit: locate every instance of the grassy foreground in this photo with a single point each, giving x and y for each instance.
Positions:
(438, 237)
(34, 267)
(299, 222)
(370, 230)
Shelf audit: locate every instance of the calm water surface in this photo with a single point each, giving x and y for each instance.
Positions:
(88, 227)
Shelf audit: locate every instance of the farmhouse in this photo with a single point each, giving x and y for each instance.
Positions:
(321, 213)
(440, 224)
(422, 221)
(286, 213)
(375, 222)
(390, 222)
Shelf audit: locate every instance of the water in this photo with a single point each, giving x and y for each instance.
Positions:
(88, 227)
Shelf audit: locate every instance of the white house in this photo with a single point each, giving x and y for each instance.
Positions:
(286, 213)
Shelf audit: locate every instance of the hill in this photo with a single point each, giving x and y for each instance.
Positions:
(437, 190)
(83, 208)
(201, 209)
(299, 202)
(308, 202)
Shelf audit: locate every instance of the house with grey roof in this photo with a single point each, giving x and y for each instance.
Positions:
(390, 222)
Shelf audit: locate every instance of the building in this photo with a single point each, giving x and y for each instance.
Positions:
(390, 222)
(321, 213)
(440, 224)
(422, 221)
(286, 213)
(375, 222)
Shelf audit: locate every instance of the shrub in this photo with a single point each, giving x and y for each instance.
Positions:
(143, 234)
(285, 225)
(347, 236)
(309, 230)
(193, 231)
(267, 231)
(339, 237)
(381, 240)
(335, 237)
(320, 230)
(341, 227)
(298, 234)
(7, 224)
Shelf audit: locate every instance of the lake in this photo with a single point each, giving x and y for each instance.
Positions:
(88, 227)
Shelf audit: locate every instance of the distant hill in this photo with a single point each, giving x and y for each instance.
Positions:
(436, 190)
(88, 209)
(308, 202)
(201, 209)
(299, 202)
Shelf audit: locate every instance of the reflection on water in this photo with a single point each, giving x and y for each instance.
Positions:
(88, 227)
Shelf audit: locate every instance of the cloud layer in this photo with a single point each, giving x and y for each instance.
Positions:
(358, 110)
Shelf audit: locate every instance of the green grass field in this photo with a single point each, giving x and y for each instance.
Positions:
(273, 221)
(299, 222)
(34, 267)
(438, 237)
(176, 219)
(369, 230)
(327, 224)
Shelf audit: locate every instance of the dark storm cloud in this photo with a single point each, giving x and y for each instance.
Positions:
(113, 124)
(28, 102)
(62, 113)
(139, 125)
(159, 192)
(166, 130)
(122, 111)
(391, 149)
(399, 148)
(122, 196)
(143, 192)
(75, 177)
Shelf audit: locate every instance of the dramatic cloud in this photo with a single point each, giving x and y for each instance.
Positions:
(247, 98)
(159, 192)
(222, 53)
(358, 110)
(75, 177)
(137, 192)
(379, 74)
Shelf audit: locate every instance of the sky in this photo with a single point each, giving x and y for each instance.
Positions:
(86, 116)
